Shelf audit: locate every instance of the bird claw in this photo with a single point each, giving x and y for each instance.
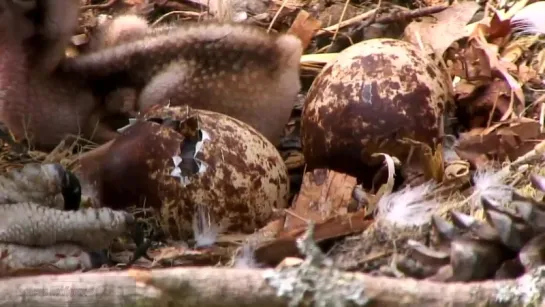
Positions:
(142, 242)
(478, 228)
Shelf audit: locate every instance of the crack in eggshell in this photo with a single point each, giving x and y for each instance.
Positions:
(241, 177)
(177, 172)
(132, 121)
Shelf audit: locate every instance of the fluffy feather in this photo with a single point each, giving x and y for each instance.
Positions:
(491, 184)
(205, 229)
(235, 69)
(530, 19)
(408, 207)
(245, 258)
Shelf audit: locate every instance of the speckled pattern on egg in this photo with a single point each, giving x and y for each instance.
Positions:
(243, 179)
(373, 94)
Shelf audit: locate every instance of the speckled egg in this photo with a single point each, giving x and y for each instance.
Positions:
(374, 94)
(179, 160)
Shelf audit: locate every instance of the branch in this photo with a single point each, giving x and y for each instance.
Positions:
(245, 287)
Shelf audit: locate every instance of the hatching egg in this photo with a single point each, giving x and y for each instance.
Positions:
(373, 95)
(179, 160)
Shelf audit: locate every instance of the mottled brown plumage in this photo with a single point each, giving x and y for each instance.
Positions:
(235, 69)
(122, 29)
(111, 32)
(52, 108)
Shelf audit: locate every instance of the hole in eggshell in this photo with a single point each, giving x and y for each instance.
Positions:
(166, 122)
(156, 120)
(132, 121)
(171, 123)
(187, 164)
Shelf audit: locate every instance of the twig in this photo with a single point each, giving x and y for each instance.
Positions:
(186, 13)
(104, 5)
(338, 28)
(276, 15)
(347, 22)
(244, 287)
(397, 16)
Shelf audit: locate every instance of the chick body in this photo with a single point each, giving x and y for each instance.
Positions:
(234, 69)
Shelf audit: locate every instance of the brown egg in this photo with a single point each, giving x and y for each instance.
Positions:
(374, 94)
(175, 159)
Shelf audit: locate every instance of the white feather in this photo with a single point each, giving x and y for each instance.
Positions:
(530, 19)
(408, 207)
(245, 259)
(491, 184)
(205, 228)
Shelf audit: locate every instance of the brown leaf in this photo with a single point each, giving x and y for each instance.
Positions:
(489, 103)
(304, 27)
(464, 89)
(442, 29)
(505, 140)
(496, 63)
(473, 66)
(324, 193)
(499, 27)
(275, 251)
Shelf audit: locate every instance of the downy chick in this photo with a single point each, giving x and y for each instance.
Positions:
(41, 107)
(115, 31)
(235, 69)
(55, 22)
(122, 29)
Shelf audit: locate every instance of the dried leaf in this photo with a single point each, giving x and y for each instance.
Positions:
(443, 28)
(324, 193)
(498, 64)
(304, 26)
(490, 103)
(433, 165)
(456, 170)
(273, 252)
(504, 140)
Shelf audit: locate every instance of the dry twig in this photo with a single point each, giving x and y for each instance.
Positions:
(244, 287)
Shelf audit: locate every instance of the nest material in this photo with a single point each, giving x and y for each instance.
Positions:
(507, 244)
(380, 248)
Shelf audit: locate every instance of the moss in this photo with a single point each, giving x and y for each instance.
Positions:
(308, 283)
(527, 291)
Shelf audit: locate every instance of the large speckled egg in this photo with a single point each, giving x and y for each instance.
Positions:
(374, 94)
(179, 160)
